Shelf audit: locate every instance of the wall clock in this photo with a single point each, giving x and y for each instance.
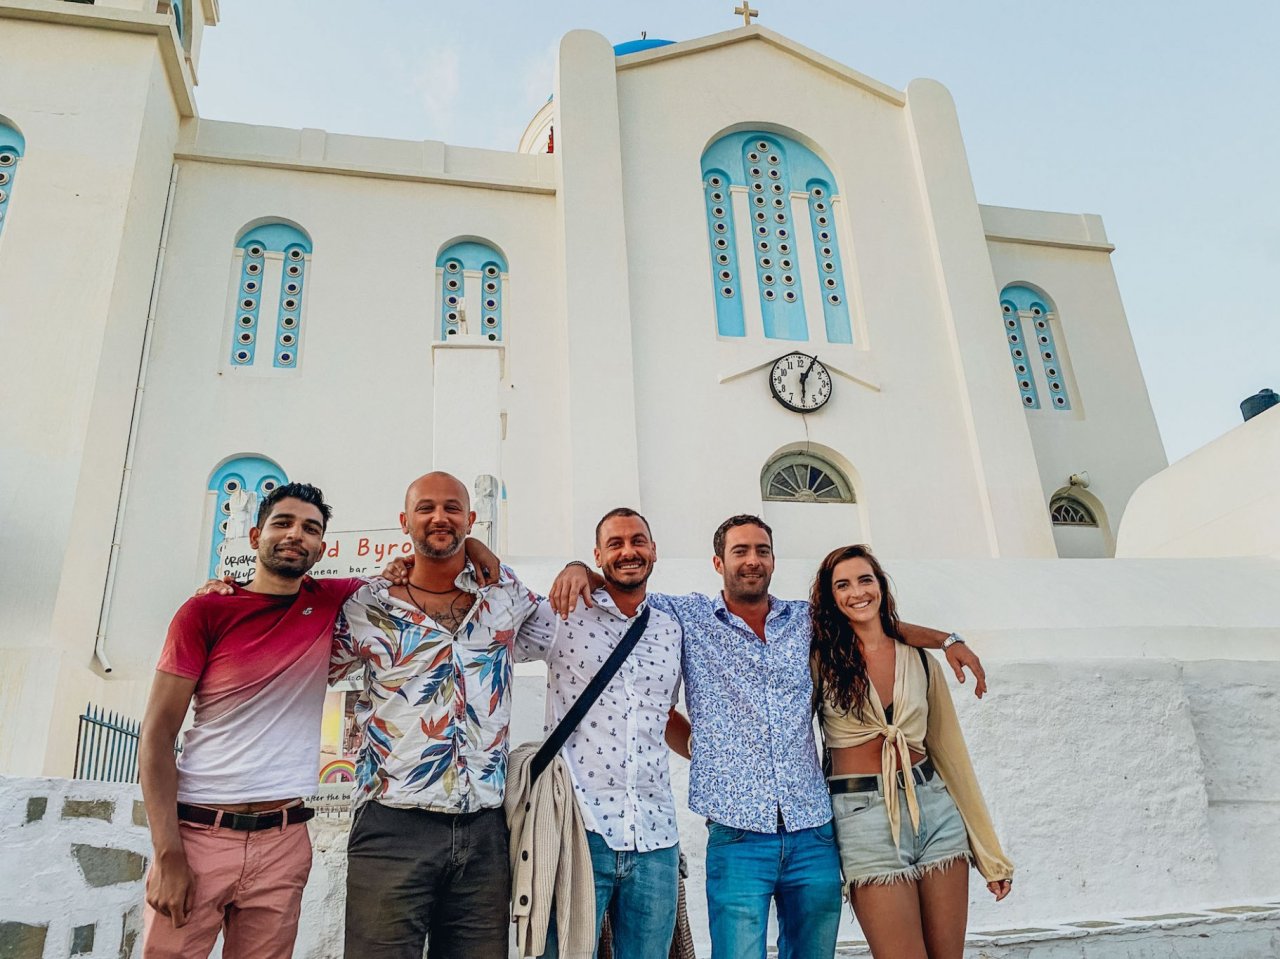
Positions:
(800, 383)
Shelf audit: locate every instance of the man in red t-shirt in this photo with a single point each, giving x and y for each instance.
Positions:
(232, 852)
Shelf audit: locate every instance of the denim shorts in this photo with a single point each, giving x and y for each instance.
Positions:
(868, 854)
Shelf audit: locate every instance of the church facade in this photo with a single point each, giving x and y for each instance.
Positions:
(721, 275)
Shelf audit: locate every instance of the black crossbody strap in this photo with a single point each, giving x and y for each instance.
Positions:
(560, 735)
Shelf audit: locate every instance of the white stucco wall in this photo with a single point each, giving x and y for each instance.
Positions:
(1221, 500)
(1110, 431)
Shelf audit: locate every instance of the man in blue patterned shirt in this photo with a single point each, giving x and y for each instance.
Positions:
(755, 771)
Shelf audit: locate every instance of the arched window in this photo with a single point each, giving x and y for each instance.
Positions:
(12, 146)
(272, 260)
(1069, 511)
(473, 279)
(238, 487)
(1025, 308)
(804, 478)
(759, 188)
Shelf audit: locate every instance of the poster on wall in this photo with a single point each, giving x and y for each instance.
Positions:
(361, 552)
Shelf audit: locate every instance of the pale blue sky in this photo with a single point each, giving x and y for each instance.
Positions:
(1160, 116)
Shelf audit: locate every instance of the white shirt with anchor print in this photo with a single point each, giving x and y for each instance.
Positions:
(617, 756)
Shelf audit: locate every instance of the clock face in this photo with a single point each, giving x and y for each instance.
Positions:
(800, 383)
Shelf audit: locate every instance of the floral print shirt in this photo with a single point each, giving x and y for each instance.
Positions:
(435, 706)
(755, 759)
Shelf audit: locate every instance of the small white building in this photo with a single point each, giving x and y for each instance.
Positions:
(193, 311)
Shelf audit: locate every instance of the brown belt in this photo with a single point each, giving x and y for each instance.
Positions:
(244, 821)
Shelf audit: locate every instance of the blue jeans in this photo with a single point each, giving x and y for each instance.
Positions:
(745, 870)
(640, 891)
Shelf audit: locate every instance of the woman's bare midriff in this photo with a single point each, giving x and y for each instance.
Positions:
(862, 760)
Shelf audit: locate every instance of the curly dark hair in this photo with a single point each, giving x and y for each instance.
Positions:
(842, 669)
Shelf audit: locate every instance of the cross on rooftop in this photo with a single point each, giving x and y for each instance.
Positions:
(746, 11)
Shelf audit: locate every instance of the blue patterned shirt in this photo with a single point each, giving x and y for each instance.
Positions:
(750, 703)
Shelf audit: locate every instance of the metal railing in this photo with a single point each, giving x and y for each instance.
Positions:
(107, 747)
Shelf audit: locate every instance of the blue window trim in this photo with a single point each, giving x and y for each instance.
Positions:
(721, 235)
(454, 262)
(12, 147)
(1026, 300)
(248, 472)
(255, 243)
(767, 165)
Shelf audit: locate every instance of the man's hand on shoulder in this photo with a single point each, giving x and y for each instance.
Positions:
(222, 587)
(960, 657)
(574, 581)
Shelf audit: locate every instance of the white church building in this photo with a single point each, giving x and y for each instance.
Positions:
(789, 303)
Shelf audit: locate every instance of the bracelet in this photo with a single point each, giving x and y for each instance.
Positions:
(577, 562)
(952, 640)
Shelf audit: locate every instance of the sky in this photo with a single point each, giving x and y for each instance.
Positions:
(1162, 117)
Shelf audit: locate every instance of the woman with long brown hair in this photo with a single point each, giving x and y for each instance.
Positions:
(908, 813)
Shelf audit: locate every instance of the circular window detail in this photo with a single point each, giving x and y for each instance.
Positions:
(761, 215)
(230, 486)
(490, 320)
(766, 262)
(719, 227)
(758, 187)
(777, 188)
(779, 202)
(248, 304)
(726, 291)
(785, 264)
(828, 267)
(1014, 338)
(773, 159)
(715, 181)
(1007, 308)
(268, 486)
(789, 296)
(251, 286)
(491, 270)
(288, 322)
(255, 251)
(725, 276)
(1011, 324)
(833, 299)
(286, 359)
(253, 269)
(752, 157)
(763, 245)
(295, 254)
(222, 527)
(769, 294)
(293, 289)
(451, 285)
(826, 251)
(8, 159)
(822, 221)
(788, 279)
(287, 339)
(784, 248)
(820, 206)
(4, 178)
(722, 259)
(805, 478)
(242, 356)
(493, 337)
(775, 175)
(1036, 311)
(762, 230)
(290, 304)
(762, 145)
(1055, 387)
(451, 300)
(1043, 341)
(717, 211)
(829, 283)
(1028, 401)
(226, 507)
(824, 236)
(721, 243)
(817, 191)
(1018, 354)
(1050, 371)
(767, 279)
(782, 235)
(491, 287)
(755, 171)
(452, 266)
(451, 332)
(246, 337)
(717, 197)
(1060, 401)
(246, 320)
(759, 200)
(293, 269)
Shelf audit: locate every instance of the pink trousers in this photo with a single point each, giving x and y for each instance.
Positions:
(248, 886)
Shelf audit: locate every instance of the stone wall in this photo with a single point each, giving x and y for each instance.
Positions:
(75, 854)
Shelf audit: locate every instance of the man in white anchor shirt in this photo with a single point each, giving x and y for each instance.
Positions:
(617, 756)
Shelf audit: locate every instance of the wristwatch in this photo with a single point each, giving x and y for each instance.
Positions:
(951, 641)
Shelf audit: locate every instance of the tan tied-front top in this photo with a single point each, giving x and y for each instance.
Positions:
(925, 721)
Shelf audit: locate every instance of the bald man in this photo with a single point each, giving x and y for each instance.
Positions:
(427, 858)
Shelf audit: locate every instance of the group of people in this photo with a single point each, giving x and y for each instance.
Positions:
(887, 814)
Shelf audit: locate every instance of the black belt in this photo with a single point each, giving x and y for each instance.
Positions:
(244, 821)
(921, 773)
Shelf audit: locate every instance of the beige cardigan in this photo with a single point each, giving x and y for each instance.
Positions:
(550, 859)
(924, 720)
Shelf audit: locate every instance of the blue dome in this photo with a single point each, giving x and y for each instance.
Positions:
(635, 46)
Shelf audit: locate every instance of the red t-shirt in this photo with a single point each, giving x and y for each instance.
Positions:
(260, 662)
